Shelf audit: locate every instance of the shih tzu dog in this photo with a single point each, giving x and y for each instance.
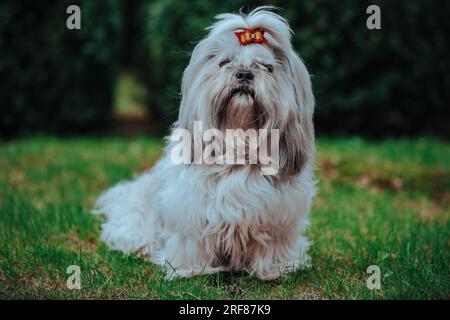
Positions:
(197, 217)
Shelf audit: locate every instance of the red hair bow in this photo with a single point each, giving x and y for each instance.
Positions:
(251, 36)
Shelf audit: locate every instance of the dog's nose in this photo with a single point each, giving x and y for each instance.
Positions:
(244, 75)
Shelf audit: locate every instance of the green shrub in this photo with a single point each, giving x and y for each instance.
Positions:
(389, 81)
(54, 79)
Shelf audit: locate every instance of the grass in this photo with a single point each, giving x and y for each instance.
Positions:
(380, 203)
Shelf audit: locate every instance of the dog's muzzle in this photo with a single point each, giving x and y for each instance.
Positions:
(245, 76)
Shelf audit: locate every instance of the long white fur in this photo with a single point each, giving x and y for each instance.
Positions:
(196, 219)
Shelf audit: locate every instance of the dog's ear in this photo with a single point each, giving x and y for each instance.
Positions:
(297, 134)
(190, 105)
(186, 115)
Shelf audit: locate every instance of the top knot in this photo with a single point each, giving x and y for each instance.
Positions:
(251, 36)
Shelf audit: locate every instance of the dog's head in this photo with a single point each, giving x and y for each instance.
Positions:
(245, 74)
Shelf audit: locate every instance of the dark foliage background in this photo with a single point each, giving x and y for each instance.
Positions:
(384, 82)
(392, 81)
(52, 79)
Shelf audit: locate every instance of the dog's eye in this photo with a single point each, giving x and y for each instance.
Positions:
(269, 67)
(224, 62)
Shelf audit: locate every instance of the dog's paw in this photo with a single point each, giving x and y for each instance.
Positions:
(274, 272)
(268, 276)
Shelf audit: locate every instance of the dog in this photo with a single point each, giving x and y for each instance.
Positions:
(195, 219)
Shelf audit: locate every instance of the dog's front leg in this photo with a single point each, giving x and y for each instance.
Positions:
(184, 257)
(280, 258)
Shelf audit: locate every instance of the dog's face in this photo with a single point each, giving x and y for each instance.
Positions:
(246, 83)
(229, 85)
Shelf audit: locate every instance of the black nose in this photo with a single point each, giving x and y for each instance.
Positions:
(244, 75)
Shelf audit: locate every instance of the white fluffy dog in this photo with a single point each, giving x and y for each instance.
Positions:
(198, 218)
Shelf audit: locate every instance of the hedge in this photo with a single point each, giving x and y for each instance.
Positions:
(381, 82)
(375, 82)
(53, 79)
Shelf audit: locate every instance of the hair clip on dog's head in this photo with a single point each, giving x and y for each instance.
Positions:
(251, 36)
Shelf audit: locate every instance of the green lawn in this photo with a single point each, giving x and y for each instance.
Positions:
(384, 203)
